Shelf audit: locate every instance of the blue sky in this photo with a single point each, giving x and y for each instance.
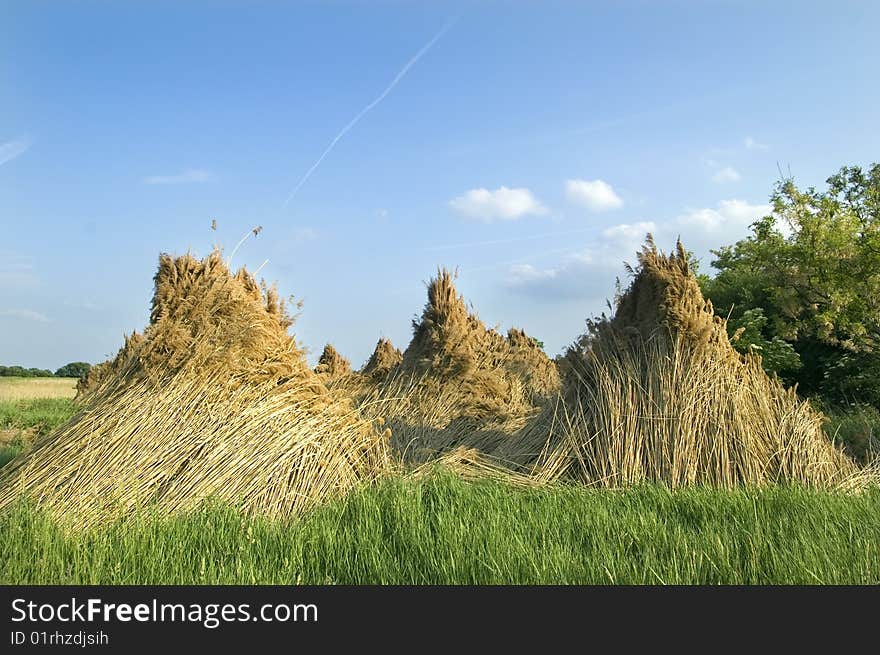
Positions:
(531, 146)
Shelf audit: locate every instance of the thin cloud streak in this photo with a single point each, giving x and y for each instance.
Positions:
(752, 144)
(12, 149)
(549, 137)
(26, 314)
(354, 121)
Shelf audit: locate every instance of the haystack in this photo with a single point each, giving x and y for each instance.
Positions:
(460, 383)
(331, 364)
(384, 360)
(101, 372)
(495, 377)
(657, 393)
(215, 399)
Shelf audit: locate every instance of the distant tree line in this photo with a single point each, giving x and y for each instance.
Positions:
(803, 289)
(71, 370)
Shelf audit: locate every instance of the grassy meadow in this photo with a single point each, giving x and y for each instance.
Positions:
(30, 407)
(16, 389)
(442, 530)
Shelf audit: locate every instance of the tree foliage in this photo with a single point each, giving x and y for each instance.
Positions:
(73, 370)
(22, 372)
(804, 287)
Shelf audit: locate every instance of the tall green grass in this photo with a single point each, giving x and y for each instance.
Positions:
(40, 414)
(23, 420)
(441, 530)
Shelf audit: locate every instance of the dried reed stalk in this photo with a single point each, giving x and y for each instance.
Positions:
(213, 400)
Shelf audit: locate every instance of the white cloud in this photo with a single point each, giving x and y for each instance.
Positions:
(590, 274)
(502, 204)
(586, 274)
(595, 195)
(729, 214)
(12, 149)
(188, 176)
(26, 314)
(726, 174)
(525, 273)
(630, 231)
(752, 144)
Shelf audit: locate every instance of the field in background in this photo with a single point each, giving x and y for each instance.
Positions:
(24, 417)
(27, 388)
(442, 530)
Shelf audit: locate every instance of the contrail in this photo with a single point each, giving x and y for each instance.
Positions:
(354, 121)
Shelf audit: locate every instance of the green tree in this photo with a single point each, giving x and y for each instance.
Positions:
(73, 370)
(812, 268)
(749, 332)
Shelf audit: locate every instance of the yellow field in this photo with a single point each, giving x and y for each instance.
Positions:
(27, 388)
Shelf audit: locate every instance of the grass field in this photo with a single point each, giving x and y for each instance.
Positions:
(12, 388)
(445, 531)
(441, 530)
(30, 407)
